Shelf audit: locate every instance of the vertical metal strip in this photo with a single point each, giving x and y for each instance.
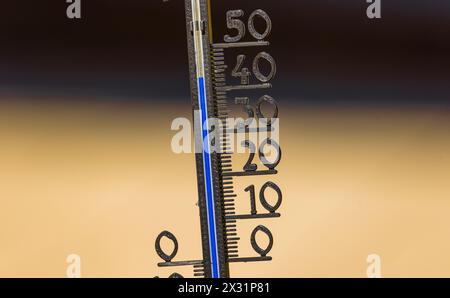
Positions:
(210, 22)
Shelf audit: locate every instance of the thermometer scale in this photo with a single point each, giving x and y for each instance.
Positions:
(211, 97)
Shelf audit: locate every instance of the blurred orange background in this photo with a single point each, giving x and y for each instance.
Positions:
(99, 180)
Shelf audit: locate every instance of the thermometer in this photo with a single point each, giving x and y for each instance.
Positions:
(211, 97)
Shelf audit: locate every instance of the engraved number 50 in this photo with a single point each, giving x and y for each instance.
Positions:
(234, 23)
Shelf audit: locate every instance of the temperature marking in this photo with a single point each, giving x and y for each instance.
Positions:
(249, 173)
(245, 87)
(241, 44)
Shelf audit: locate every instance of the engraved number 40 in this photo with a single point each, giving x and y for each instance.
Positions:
(241, 72)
